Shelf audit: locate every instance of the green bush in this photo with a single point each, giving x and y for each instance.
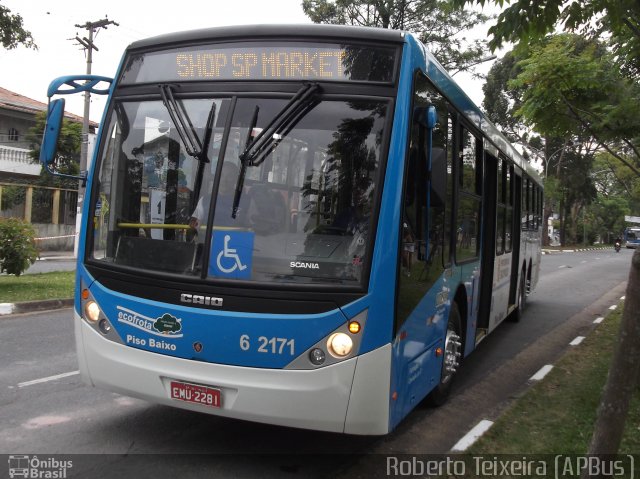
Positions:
(17, 246)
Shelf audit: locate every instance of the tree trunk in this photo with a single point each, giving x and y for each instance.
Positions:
(623, 374)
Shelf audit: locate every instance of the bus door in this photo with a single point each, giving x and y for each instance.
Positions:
(488, 244)
(516, 187)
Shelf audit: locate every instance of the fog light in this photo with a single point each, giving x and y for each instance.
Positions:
(92, 311)
(339, 345)
(104, 326)
(316, 356)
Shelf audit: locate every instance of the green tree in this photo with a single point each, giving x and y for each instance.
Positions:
(524, 21)
(440, 26)
(571, 86)
(12, 32)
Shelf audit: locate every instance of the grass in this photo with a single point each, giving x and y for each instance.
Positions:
(557, 415)
(31, 287)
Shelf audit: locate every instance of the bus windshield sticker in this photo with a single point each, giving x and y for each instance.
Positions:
(320, 62)
(231, 254)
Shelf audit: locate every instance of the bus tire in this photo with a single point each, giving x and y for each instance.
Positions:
(451, 360)
(516, 316)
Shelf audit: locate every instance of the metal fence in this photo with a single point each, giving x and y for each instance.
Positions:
(38, 204)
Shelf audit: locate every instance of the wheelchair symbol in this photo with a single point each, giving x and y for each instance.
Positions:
(229, 253)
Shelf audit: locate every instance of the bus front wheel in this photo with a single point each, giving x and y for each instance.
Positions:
(451, 359)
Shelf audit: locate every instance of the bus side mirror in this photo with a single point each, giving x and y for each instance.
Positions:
(49, 147)
(52, 128)
(431, 117)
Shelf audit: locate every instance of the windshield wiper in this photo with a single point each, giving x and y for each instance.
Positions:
(256, 150)
(182, 122)
(203, 157)
(187, 132)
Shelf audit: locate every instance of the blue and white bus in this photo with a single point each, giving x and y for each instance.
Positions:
(308, 226)
(631, 237)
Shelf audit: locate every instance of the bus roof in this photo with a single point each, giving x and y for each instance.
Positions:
(244, 32)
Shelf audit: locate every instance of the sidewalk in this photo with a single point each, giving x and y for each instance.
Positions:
(56, 256)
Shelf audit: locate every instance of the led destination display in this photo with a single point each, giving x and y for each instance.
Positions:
(318, 62)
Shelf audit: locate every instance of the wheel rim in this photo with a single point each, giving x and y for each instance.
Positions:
(452, 347)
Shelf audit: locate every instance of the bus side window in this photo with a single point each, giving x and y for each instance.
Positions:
(469, 196)
(422, 225)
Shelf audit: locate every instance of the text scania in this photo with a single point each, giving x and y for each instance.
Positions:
(153, 343)
(298, 264)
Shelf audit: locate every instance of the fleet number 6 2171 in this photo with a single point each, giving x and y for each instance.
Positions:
(269, 345)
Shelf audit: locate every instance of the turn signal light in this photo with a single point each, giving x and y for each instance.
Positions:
(354, 327)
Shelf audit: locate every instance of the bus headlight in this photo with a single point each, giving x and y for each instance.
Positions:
(339, 345)
(92, 311)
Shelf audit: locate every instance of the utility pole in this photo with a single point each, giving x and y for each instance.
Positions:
(89, 46)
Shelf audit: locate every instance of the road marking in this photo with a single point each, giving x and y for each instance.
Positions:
(472, 436)
(598, 320)
(583, 262)
(614, 307)
(577, 341)
(539, 376)
(50, 378)
(564, 266)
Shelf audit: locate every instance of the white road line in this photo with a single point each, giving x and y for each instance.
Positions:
(598, 320)
(472, 436)
(539, 376)
(50, 378)
(613, 307)
(577, 341)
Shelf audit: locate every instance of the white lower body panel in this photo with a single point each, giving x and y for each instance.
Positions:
(351, 396)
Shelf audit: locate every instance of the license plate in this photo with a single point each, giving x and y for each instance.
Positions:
(195, 394)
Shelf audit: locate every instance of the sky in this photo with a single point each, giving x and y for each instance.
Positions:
(52, 25)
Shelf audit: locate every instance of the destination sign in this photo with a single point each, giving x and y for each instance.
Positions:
(319, 62)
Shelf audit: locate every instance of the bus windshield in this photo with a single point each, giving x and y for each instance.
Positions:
(304, 212)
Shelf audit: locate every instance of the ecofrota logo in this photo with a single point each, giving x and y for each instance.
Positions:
(34, 467)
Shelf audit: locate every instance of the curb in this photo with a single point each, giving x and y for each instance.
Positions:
(573, 250)
(33, 306)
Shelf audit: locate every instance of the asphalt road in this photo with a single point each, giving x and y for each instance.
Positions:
(62, 416)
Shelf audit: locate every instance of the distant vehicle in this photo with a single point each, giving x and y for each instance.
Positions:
(307, 226)
(631, 237)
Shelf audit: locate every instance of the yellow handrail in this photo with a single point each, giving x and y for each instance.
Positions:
(162, 226)
(154, 226)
